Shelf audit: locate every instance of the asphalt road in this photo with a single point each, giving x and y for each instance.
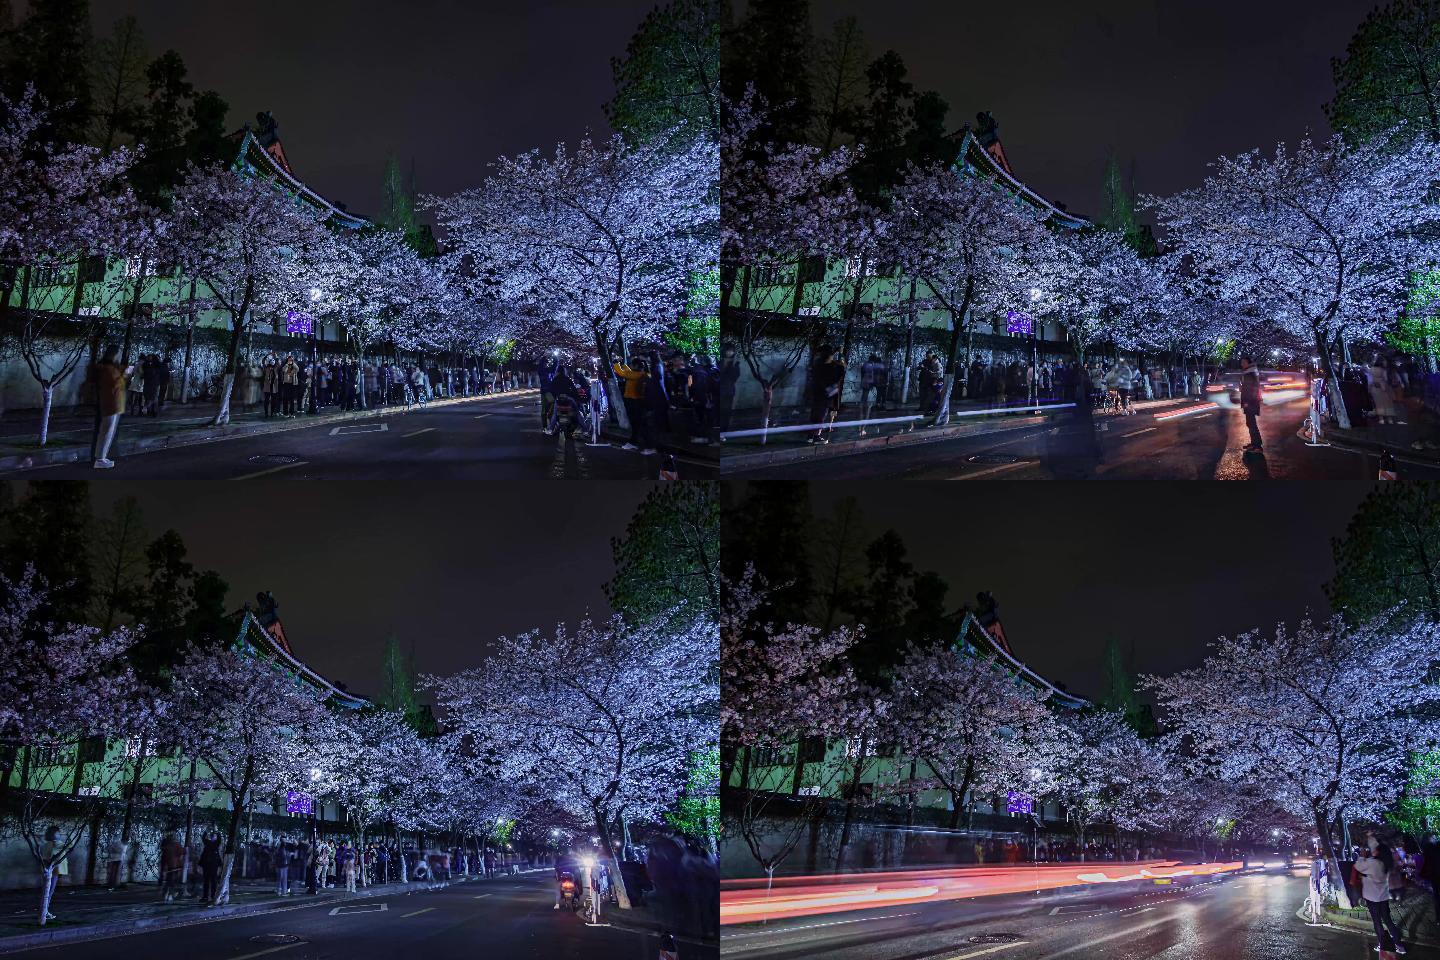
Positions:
(498, 918)
(486, 439)
(1249, 917)
(1202, 446)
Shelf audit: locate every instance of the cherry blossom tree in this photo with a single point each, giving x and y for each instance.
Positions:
(601, 718)
(62, 209)
(255, 727)
(784, 684)
(1109, 773)
(1098, 288)
(63, 686)
(252, 245)
(975, 249)
(1318, 239)
(976, 729)
(599, 239)
(1321, 718)
(781, 202)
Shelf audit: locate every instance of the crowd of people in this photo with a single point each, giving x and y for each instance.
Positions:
(284, 386)
(1385, 390)
(1386, 870)
(677, 397)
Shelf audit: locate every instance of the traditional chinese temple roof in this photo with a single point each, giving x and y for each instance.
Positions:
(990, 642)
(975, 158)
(270, 642)
(256, 158)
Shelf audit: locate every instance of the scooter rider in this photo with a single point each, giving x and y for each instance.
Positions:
(564, 866)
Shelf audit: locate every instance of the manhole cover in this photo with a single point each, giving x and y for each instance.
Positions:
(275, 458)
(996, 938)
(277, 938)
(994, 458)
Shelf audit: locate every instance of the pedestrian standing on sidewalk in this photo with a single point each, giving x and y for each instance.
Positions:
(346, 859)
(872, 387)
(634, 396)
(725, 381)
(1374, 868)
(282, 867)
(827, 386)
(51, 851)
(210, 866)
(110, 394)
(1250, 402)
(172, 862)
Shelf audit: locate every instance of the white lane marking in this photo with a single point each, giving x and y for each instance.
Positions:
(407, 436)
(1072, 907)
(1132, 931)
(261, 953)
(264, 473)
(361, 908)
(1000, 469)
(347, 430)
(415, 913)
(995, 949)
(1137, 433)
(482, 416)
(814, 926)
(481, 896)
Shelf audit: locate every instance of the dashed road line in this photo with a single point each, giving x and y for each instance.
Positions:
(416, 433)
(992, 470)
(415, 913)
(481, 896)
(994, 949)
(482, 416)
(266, 473)
(261, 953)
(1137, 433)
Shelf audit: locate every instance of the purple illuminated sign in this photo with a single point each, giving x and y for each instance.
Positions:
(1018, 324)
(297, 802)
(1019, 803)
(297, 322)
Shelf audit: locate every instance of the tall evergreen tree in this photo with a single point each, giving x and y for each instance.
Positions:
(840, 85)
(49, 528)
(769, 528)
(670, 73)
(207, 142)
(839, 562)
(669, 556)
(770, 49)
(1390, 554)
(118, 558)
(117, 83)
(1390, 73)
(397, 199)
(50, 48)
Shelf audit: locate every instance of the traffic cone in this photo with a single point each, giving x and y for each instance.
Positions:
(668, 950)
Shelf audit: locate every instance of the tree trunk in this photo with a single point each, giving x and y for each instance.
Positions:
(129, 819)
(47, 394)
(850, 793)
(767, 400)
(189, 347)
(1332, 383)
(228, 384)
(612, 384)
(189, 827)
(238, 803)
(1332, 862)
(616, 877)
(48, 873)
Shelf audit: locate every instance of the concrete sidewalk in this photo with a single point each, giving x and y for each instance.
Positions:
(1414, 915)
(181, 427)
(94, 913)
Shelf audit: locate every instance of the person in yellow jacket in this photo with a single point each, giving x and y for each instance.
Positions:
(110, 394)
(634, 398)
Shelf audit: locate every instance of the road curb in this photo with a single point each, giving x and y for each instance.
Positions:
(1358, 444)
(748, 461)
(1340, 921)
(635, 925)
(119, 928)
(77, 454)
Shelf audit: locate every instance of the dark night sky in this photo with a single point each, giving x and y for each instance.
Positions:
(1164, 568)
(445, 567)
(447, 83)
(1166, 84)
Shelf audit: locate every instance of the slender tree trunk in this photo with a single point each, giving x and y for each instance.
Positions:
(129, 818)
(47, 395)
(1332, 861)
(189, 347)
(238, 803)
(612, 386)
(616, 877)
(189, 827)
(767, 402)
(850, 793)
(1332, 383)
(48, 873)
(228, 384)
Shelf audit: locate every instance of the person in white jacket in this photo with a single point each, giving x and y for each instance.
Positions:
(1374, 868)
